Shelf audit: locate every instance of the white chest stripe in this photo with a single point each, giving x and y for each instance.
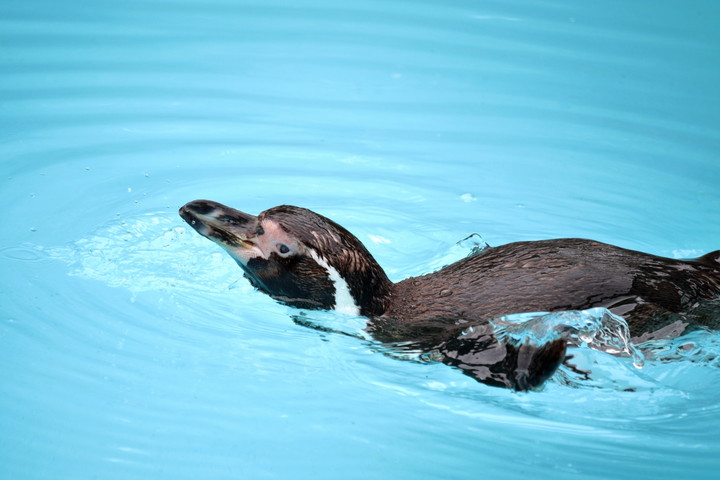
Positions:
(344, 301)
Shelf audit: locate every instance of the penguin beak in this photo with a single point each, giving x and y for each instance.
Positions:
(223, 225)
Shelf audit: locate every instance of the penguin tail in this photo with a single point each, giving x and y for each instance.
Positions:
(711, 259)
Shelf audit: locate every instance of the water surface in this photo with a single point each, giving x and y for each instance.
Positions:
(132, 348)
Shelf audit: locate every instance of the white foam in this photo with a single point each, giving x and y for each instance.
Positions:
(344, 301)
(149, 252)
(379, 239)
(687, 253)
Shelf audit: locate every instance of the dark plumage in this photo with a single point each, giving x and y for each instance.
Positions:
(308, 261)
(566, 274)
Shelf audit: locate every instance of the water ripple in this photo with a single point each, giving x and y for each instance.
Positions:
(132, 348)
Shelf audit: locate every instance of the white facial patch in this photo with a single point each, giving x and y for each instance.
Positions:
(344, 301)
(260, 246)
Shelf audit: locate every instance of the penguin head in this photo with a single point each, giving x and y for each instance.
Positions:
(296, 256)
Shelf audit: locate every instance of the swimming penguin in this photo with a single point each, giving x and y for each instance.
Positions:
(305, 260)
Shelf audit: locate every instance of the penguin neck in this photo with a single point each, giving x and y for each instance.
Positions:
(360, 285)
(372, 292)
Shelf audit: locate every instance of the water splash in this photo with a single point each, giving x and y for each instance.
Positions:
(148, 252)
(700, 346)
(469, 246)
(594, 328)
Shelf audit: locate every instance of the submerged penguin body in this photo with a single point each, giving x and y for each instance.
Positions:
(307, 261)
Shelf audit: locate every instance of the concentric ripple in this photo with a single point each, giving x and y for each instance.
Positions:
(132, 348)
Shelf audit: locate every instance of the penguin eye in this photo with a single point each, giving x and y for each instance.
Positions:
(283, 249)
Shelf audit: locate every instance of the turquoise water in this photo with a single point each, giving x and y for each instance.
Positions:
(132, 348)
